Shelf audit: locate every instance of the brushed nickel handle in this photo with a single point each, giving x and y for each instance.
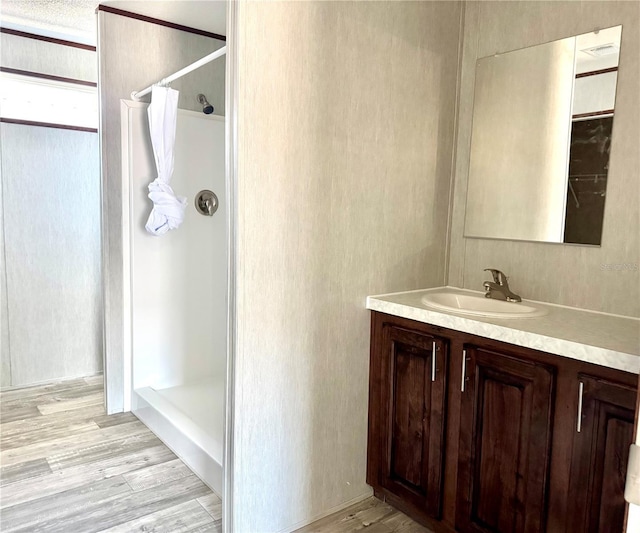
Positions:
(464, 369)
(206, 203)
(433, 361)
(580, 391)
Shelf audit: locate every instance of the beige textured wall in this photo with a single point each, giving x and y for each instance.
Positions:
(132, 55)
(564, 274)
(62, 360)
(47, 58)
(346, 114)
(53, 304)
(5, 359)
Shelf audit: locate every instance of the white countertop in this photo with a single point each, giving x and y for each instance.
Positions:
(599, 338)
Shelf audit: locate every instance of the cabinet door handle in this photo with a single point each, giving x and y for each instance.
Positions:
(580, 391)
(464, 369)
(433, 361)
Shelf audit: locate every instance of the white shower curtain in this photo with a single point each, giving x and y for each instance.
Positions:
(168, 209)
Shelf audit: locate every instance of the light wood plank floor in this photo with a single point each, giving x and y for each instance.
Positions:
(67, 467)
(370, 515)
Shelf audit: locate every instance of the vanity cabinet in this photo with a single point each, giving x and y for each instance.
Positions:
(474, 435)
(505, 442)
(406, 442)
(600, 455)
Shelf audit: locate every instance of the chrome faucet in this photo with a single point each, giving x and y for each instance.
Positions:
(499, 288)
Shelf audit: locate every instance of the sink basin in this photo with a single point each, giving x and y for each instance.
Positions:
(468, 303)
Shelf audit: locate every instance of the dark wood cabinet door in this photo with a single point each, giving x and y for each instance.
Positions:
(413, 377)
(600, 455)
(505, 443)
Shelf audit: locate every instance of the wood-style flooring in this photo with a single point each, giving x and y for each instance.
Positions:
(370, 516)
(67, 467)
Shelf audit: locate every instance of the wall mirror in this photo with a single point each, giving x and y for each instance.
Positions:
(541, 139)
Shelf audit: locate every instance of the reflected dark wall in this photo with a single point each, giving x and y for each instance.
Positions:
(588, 167)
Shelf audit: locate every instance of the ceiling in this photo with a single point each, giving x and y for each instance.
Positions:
(75, 19)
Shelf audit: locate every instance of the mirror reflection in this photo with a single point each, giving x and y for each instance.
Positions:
(541, 140)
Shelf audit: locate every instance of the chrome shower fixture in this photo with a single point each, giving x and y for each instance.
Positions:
(207, 108)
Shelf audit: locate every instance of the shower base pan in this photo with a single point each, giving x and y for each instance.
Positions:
(189, 420)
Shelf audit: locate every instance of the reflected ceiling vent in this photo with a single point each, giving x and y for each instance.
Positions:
(602, 50)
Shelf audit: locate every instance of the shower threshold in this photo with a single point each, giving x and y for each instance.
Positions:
(189, 420)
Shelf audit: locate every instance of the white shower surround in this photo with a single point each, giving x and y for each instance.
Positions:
(176, 305)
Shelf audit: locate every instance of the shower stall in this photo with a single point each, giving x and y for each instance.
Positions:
(176, 302)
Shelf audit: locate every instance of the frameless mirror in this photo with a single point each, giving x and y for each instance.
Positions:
(540, 140)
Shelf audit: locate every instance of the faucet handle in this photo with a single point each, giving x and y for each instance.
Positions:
(497, 275)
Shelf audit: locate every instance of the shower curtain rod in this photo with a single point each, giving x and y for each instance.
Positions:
(190, 68)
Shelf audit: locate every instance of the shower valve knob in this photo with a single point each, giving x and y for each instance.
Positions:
(206, 203)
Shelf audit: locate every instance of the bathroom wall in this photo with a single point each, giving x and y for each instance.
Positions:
(134, 54)
(50, 317)
(51, 208)
(346, 115)
(605, 278)
(48, 58)
(5, 359)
